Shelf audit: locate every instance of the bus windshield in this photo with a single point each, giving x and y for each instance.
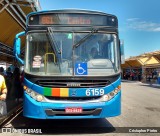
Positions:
(55, 54)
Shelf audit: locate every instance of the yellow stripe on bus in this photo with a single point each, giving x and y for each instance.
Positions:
(64, 92)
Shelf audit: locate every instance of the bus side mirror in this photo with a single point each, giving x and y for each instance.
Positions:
(17, 47)
(122, 51)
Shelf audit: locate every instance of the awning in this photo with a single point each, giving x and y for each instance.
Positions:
(151, 59)
(12, 21)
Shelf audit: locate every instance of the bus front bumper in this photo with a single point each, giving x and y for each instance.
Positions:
(46, 110)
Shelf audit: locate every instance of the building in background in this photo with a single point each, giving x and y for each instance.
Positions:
(145, 67)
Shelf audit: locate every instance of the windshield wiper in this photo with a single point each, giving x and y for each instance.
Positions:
(53, 40)
(54, 46)
(85, 38)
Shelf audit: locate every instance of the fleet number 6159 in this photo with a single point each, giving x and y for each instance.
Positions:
(94, 92)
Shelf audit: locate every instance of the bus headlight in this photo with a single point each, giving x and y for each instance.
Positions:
(110, 95)
(116, 91)
(32, 94)
(39, 98)
(105, 97)
(28, 90)
(36, 96)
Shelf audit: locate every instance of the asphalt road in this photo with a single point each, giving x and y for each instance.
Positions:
(140, 108)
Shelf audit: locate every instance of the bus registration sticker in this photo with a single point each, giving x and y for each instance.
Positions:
(73, 110)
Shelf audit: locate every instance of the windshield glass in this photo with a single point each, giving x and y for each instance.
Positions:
(54, 54)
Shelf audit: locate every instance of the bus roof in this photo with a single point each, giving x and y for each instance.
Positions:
(71, 17)
(71, 11)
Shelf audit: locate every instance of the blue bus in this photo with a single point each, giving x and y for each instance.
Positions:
(71, 65)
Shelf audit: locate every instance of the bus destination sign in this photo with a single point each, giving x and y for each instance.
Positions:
(71, 19)
(48, 20)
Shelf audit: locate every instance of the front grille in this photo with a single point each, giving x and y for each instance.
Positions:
(72, 84)
(72, 98)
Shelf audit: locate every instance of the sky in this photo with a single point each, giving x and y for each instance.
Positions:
(139, 20)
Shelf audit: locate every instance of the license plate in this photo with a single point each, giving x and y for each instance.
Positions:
(73, 110)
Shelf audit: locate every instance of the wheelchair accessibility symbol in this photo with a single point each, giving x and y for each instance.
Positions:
(81, 69)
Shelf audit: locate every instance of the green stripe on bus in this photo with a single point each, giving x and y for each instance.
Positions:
(47, 91)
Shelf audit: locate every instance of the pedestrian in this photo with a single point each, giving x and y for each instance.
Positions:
(9, 82)
(132, 76)
(17, 86)
(124, 75)
(3, 95)
(139, 76)
(2, 72)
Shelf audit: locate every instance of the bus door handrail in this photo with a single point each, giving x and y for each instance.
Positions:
(46, 59)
